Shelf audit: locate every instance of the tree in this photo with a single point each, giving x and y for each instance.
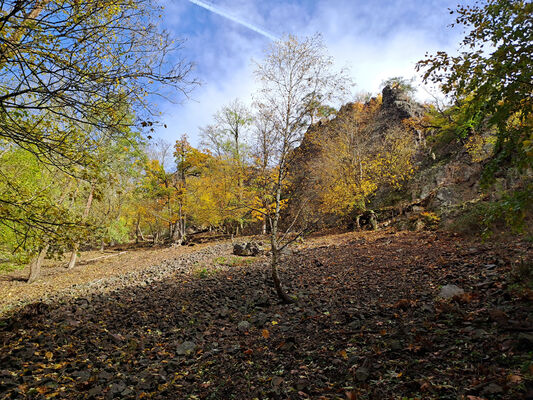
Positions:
(67, 68)
(227, 139)
(72, 60)
(263, 175)
(491, 78)
(295, 76)
(404, 85)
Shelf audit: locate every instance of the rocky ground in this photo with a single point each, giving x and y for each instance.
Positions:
(368, 324)
(94, 268)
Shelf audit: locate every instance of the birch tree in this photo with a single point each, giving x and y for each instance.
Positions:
(295, 76)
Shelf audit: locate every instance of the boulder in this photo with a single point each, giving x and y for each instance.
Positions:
(249, 249)
(449, 291)
(185, 348)
(243, 326)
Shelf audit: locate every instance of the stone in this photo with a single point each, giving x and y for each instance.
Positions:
(449, 291)
(239, 249)
(362, 374)
(117, 387)
(260, 320)
(243, 326)
(82, 375)
(224, 312)
(249, 249)
(355, 325)
(525, 341)
(185, 348)
(262, 300)
(95, 391)
(492, 388)
(395, 345)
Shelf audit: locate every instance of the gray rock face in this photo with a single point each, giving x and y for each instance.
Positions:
(449, 291)
(398, 105)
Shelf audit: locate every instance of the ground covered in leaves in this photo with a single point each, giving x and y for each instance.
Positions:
(368, 324)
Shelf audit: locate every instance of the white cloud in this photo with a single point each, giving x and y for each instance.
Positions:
(377, 40)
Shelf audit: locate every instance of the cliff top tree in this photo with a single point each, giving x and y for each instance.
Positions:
(295, 75)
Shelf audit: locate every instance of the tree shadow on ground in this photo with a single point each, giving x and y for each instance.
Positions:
(366, 320)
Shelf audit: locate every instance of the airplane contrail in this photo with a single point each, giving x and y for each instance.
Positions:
(233, 18)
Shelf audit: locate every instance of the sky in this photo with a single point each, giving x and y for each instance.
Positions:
(375, 40)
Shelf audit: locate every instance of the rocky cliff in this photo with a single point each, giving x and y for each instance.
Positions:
(446, 175)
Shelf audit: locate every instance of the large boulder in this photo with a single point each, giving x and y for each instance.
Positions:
(249, 249)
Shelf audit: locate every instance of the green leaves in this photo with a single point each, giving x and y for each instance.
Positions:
(492, 76)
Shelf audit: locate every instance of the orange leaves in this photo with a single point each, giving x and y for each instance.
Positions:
(265, 333)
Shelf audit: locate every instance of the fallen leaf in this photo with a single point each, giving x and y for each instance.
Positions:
(514, 378)
(351, 395)
(265, 333)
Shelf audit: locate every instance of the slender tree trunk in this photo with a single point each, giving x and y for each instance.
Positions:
(275, 276)
(74, 254)
(36, 263)
(138, 231)
(274, 264)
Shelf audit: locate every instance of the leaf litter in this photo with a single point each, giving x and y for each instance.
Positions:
(367, 324)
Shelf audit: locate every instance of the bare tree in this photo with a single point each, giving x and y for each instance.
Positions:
(296, 76)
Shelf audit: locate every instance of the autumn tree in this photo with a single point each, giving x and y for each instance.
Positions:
(295, 75)
(491, 77)
(263, 174)
(227, 138)
(66, 70)
(400, 84)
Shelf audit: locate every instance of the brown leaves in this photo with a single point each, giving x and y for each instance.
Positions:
(340, 325)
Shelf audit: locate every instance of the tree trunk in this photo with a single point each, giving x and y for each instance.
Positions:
(74, 254)
(36, 263)
(275, 277)
(137, 228)
(275, 246)
(264, 227)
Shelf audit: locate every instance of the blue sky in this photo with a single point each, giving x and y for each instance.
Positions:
(374, 39)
